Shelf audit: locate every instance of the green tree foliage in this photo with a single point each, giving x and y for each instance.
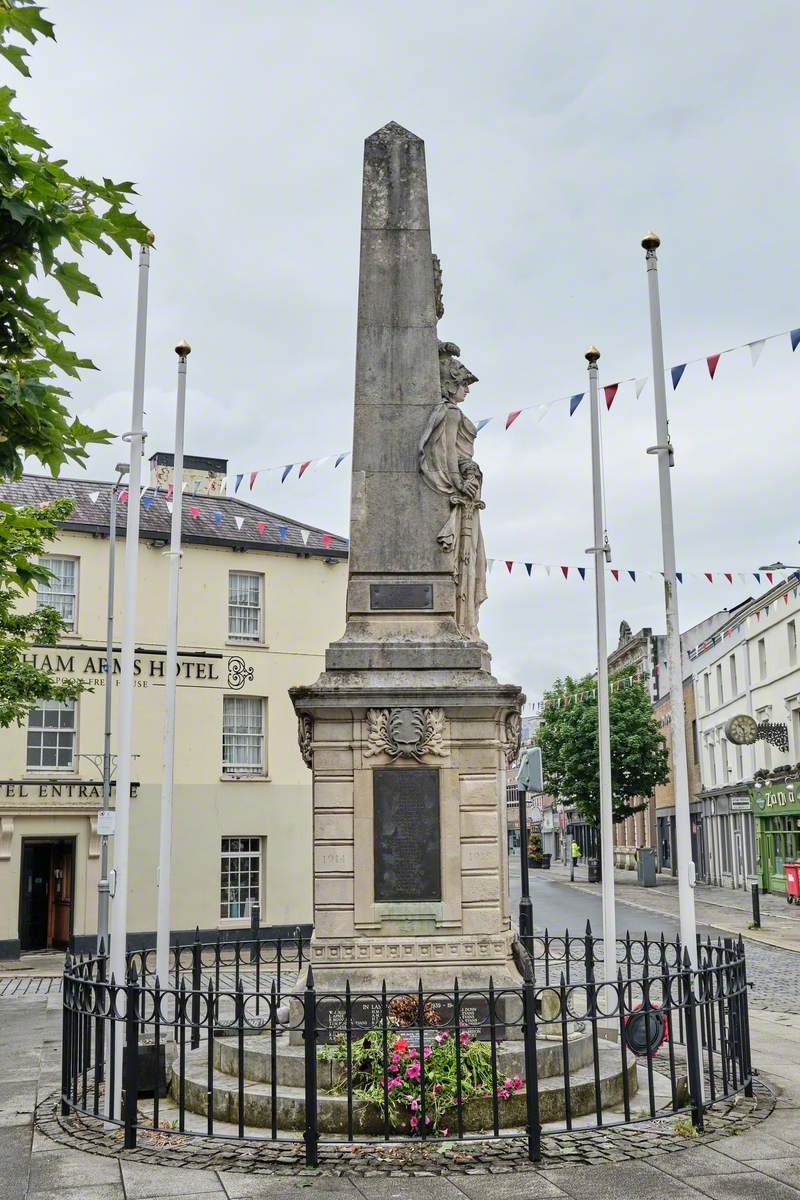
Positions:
(568, 740)
(48, 216)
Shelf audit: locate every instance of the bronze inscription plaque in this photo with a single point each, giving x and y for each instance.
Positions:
(407, 840)
(398, 597)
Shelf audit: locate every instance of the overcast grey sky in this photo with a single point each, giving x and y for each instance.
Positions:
(556, 135)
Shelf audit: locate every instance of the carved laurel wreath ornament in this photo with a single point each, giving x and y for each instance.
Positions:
(513, 736)
(405, 732)
(305, 735)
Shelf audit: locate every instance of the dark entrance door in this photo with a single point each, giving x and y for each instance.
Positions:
(46, 894)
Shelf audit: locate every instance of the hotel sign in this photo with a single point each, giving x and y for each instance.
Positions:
(55, 789)
(229, 671)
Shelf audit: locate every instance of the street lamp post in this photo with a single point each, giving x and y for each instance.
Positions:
(602, 553)
(102, 884)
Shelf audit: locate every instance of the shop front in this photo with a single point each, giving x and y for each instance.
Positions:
(776, 808)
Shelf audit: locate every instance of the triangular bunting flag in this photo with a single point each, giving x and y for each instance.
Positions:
(253, 477)
(615, 573)
(340, 458)
(169, 506)
(217, 515)
(196, 487)
(582, 572)
(728, 576)
(679, 576)
(529, 567)
(574, 401)
(766, 611)
(610, 391)
(548, 570)
(785, 597)
(768, 575)
(565, 572)
(794, 335)
(238, 483)
(509, 565)
(755, 350)
(261, 526)
(511, 418)
(327, 538)
(709, 576)
(123, 496)
(94, 496)
(481, 423)
(304, 467)
(305, 535)
(639, 385)
(632, 575)
(286, 471)
(489, 565)
(147, 501)
(195, 512)
(757, 576)
(239, 522)
(282, 532)
(712, 361)
(677, 375)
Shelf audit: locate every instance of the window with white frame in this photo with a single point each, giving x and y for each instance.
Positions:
(245, 606)
(762, 658)
(791, 632)
(51, 736)
(240, 877)
(243, 735)
(60, 591)
(720, 696)
(712, 764)
(734, 681)
(707, 690)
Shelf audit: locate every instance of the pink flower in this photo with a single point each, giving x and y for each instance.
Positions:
(414, 1122)
(394, 1069)
(394, 1083)
(465, 1039)
(516, 1082)
(445, 1132)
(504, 1093)
(428, 1052)
(412, 1053)
(437, 1087)
(414, 1105)
(395, 1058)
(427, 1120)
(441, 1037)
(413, 1071)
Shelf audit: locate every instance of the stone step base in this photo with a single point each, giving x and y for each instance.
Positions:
(368, 1118)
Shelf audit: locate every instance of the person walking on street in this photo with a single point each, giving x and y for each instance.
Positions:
(576, 854)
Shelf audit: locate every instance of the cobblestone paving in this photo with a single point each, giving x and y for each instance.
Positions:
(587, 1148)
(775, 975)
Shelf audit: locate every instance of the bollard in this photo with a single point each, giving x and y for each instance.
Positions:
(756, 906)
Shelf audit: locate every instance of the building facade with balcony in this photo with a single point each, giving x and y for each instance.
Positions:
(261, 597)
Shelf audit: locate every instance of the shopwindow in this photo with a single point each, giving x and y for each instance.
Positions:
(60, 591)
(240, 880)
(245, 607)
(51, 736)
(243, 735)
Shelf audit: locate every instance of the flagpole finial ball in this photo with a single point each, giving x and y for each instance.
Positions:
(183, 349)
(651, 241)
(592, 355)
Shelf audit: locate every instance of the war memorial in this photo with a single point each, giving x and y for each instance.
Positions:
(414, 1012)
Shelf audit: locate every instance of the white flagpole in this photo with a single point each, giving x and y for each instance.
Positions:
(119, 891)
(164, 881)
(680, 774)
(602, 554)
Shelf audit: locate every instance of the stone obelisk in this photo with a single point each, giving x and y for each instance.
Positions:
(406, 731)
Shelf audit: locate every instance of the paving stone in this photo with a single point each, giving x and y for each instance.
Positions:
(511, 1188)
(755, 1146)
(104, 1191)
(143, 1181)
(60, 1168)
(430, 1189)
(699, 1160)
(17, 1102)
(238, 1185)
(624, 1182)
(787, 1169)
(15, 1145)
(744, 1185)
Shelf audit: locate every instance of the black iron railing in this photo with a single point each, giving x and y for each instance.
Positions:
(249, 1047)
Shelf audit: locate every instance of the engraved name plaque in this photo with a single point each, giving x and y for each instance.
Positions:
(400, 597)
(407, 840)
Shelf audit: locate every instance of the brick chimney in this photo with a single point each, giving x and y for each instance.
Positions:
(208, 473)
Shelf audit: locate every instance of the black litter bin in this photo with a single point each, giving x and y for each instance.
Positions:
(593, 867)
(546, 862)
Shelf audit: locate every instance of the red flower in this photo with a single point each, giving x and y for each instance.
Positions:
(401, 1045)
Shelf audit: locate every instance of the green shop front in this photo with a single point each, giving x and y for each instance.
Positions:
(776, 808)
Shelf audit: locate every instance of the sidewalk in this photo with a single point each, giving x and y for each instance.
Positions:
(728, 910)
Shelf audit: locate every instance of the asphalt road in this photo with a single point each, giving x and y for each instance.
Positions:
(557, 907)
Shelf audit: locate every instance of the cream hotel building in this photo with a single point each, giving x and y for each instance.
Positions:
(261, 598)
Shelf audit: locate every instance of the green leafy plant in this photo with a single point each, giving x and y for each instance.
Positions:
(48, 217)
(404, 1070)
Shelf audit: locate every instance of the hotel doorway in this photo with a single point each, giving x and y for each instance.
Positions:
(47, 881)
